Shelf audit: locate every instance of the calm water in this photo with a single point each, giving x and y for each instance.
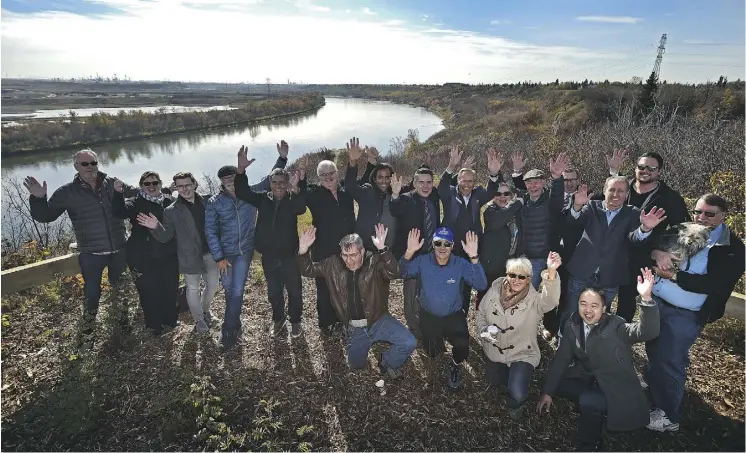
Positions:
(110, 110)
(376, 123)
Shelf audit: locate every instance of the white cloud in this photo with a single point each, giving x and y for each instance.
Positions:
(157, 40)
(367, 11)
(424, 17)
(610, 19)
(307, 5)
(499, 22)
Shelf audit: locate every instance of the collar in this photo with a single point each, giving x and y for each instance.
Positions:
(722, 233)
(603, 205)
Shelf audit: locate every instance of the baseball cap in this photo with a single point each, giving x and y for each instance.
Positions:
(444, 234)
(533, 174)
(227, 170)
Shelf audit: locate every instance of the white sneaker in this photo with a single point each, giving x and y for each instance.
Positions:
(659, 422)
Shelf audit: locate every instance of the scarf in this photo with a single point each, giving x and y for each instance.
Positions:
(510, 299)
(159, 199)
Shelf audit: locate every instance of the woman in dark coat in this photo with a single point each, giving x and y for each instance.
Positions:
(154, 265)
(603, 380)
(502, 234)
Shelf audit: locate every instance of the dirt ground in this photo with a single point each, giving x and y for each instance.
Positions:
(178, 392)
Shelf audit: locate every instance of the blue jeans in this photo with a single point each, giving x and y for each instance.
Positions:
(92, 267)
(574, 287)
(516, 376)
(668, 357)
(234, 281)
(387, 329)
(537, 265)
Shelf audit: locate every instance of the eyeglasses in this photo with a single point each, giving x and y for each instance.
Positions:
(85, 164)
(328, 175)
(504, 194)
(351, 256)
(150, 183)
(518, 276)
(709, 214)
(185, 186)
(442, 243)
(647, 167)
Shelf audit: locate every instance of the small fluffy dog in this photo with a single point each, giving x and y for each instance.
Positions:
(684, 240)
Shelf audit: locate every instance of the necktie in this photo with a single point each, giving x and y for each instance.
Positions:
(428, 227)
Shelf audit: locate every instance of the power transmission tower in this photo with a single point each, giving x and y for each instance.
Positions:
(269, 81)
(659, 58)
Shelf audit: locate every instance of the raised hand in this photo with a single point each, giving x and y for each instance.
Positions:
(581, 196)
(544, 401)
(283, 149)
(149, 221)
(494, 161)
(173, 187)
(294, 179)
(379, 240)
(471, 246)
(554, 261)
(617, 158)
(645, 284)
(414, 242)
(396, 183)
(354, 152)
(652, 219)
(243, 159)
(307, 239)
(559, 165)
(372, 154)
(468, 162)
(519, 161)
(454, 158)
(118, 186)
(34, 188)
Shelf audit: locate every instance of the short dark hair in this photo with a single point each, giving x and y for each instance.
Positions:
(149, 174)
(715, 200)
(595, 290)
(379, 167)
(654, 155)
(424, 170)
(184, 175)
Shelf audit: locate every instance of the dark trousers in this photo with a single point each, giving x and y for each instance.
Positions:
(627, 301)
(157, 282)
(92, 267)
(281, 274)
(586, 393)
(515, 377)
(327, 315)
(491, 277)
(452, 328)
(552, 317)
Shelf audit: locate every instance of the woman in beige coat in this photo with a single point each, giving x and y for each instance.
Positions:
(507, 322)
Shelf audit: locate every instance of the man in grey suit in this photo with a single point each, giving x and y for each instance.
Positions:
(601, 258)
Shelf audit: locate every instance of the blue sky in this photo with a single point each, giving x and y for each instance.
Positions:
(376, 41)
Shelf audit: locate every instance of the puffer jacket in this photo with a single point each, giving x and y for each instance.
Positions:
(376, 272)
(516, 337)
(230, 222)
(96, 228)
(539, 218)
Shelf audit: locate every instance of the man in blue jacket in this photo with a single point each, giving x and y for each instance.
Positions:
(229, 228)
(442, 277)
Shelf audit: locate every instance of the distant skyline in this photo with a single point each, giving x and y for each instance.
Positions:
(381, 41)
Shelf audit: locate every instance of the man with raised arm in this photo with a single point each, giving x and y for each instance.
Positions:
(462, 204)
(357, 280)
(442, 277)
(100, 235)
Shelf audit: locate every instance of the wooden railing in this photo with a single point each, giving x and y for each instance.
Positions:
(35, 274)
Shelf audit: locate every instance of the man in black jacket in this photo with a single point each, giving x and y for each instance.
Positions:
(277, 239)
(647, 189)
(100, 235)
(691, 293)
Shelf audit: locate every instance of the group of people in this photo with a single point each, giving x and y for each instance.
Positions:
(548, 253)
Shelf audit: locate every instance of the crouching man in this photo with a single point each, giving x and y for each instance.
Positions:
(358, 286)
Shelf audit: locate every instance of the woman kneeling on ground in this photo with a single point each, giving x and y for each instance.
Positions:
(603, 380)
(507, 322)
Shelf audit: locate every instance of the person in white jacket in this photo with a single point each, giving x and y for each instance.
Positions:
(506, 322)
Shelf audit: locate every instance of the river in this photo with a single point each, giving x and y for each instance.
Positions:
(375, 122)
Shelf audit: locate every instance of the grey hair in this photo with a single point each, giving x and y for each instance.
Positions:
(520, 265)
(351, 240)
(465, 170)
(86, 150)
(280, 172)
(325, 163)
(612, 179)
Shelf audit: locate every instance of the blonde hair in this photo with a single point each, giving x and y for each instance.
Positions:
(520, 266)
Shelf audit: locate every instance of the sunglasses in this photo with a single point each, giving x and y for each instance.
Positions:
(647, 167)
(441, 243)
(150, 183)
(85, 164)
(518, 276)
(504, 194)
(706, 213)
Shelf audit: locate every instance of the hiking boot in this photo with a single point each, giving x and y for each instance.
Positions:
(454, 376)
(516, 412)
(278, 327)
(227, 342)
(660, 422)
(296, 329)
(201, 327)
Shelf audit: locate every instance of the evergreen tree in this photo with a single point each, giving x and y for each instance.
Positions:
(647, 94)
